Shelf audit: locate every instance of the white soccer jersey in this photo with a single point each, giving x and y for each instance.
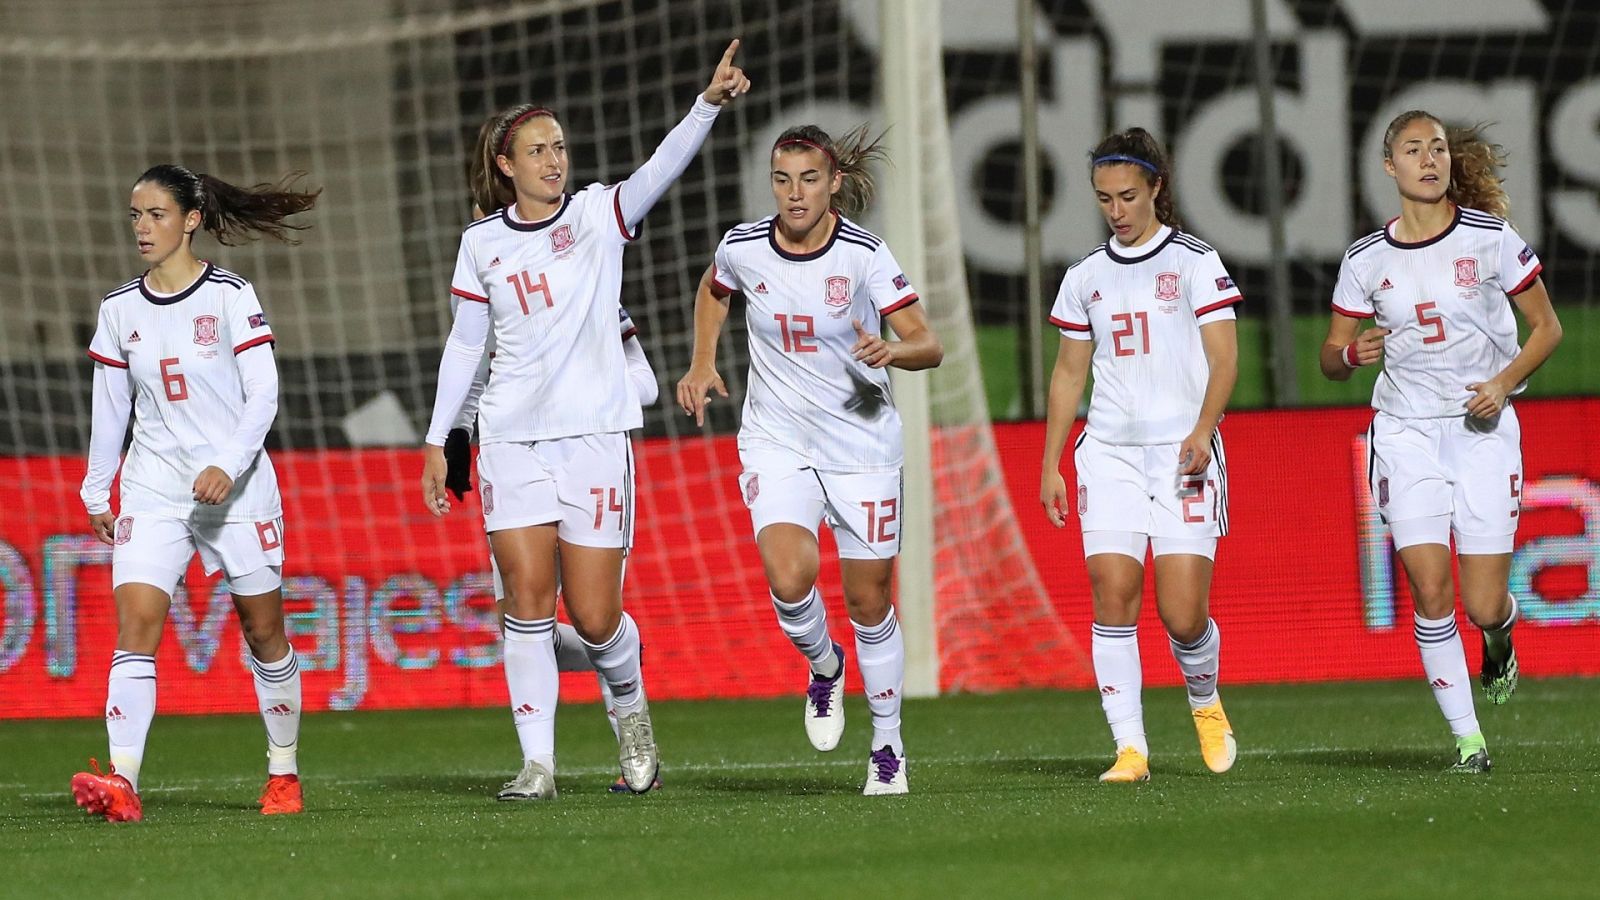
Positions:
(179, 352)
(1443, 301)
(552, 288)
(806, 391)
(1143, 308)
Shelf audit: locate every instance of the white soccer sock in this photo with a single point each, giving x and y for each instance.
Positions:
(1445, 663)
(1198, 662)
(130, 707)
(535, 686)
(881, 654)
(1116, 671)
(1499, 639)
(571, 655)
(806, 624)
(610, 702)
(278, 697)
(617, 660)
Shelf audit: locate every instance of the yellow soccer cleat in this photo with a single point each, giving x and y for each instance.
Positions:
(1216, 737)
(1131, 766)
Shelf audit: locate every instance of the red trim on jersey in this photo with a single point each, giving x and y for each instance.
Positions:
(1220, 304)
(1070, 326)
(467, 295)
(254, 342)
(1526, 282)
(107, 360)
(616, 207)
(718, 281)
(1351, 313)
(629, 333)
(900, 304)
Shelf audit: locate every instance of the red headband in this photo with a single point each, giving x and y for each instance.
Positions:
(802, 142)
(511, 130)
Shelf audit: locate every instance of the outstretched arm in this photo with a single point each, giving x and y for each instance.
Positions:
(635, 196)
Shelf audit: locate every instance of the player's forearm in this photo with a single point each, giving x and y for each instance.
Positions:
(258, 373)
(457, 368)
(710, 311)
(469, 408)
(1061, 411)
(1223, 363)
(1541, 344)
(919, 351)
(109, 405)
(646, 185)
(1332, 362)
(641, 373)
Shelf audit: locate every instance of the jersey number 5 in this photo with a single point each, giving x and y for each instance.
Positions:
(172, 381)
(1127, 325)
(799, 333)
(1436, 321)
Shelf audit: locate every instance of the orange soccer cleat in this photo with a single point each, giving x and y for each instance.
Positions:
(107, 794)
(281, 795)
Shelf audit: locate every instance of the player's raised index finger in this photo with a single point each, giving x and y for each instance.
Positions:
(727, 55)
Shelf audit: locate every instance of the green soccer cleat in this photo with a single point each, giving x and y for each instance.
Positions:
(1498, 677)
(1472, 754)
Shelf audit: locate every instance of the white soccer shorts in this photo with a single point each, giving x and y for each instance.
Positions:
(862, 508)
(583, 485)
(155, 549)
(1137, 490)
(1432, 478)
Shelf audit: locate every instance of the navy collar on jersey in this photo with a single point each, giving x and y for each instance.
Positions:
(1157, 243)
(546, 222)
(157, 299)
(1417, 245)
(772, 238)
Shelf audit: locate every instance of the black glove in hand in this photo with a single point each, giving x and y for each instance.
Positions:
(458, 460)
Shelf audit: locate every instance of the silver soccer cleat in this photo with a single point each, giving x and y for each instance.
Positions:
(636, 750)
(534, 782)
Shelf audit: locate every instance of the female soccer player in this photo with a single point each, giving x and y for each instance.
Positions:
(821, 437)
(571, 654)
(186, 348)
(556, 465)
(1444, 449)
(1152, 310)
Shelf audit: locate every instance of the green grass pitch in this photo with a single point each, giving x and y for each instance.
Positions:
(1338, 792)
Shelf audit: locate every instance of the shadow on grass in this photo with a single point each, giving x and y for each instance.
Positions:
(1376, 759)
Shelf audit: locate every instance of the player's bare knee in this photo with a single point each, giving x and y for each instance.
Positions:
(596, 626)
(1185, 627)
(867, 606)
(791, 579)
(263, 633)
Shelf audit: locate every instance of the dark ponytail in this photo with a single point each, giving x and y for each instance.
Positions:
(851, 155)
(1140, 148)
(231, 213)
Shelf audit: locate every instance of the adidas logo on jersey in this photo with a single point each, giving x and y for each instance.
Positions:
(761, 287)
(1387, 285)
(494, 262)
(133, 338)
(1094, 297)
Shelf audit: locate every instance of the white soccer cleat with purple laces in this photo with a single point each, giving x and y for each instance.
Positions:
(825, 708)
(886, 774)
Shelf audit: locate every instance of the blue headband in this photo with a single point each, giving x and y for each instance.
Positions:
(1119, 157)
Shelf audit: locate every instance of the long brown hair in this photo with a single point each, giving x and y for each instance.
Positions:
(1475, 163)
(851, 155)
(491, 188)
(1140, 148)
(231, 213)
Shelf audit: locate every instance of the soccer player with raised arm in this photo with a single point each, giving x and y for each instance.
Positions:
(186, 350)
(821, 438)
(571, 654)
(543, 272)
(1440, 281)
(1151, 312)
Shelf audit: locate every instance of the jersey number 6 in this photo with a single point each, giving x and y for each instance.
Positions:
(172, 381)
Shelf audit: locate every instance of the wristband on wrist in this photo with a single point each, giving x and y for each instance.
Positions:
(1349, 356)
